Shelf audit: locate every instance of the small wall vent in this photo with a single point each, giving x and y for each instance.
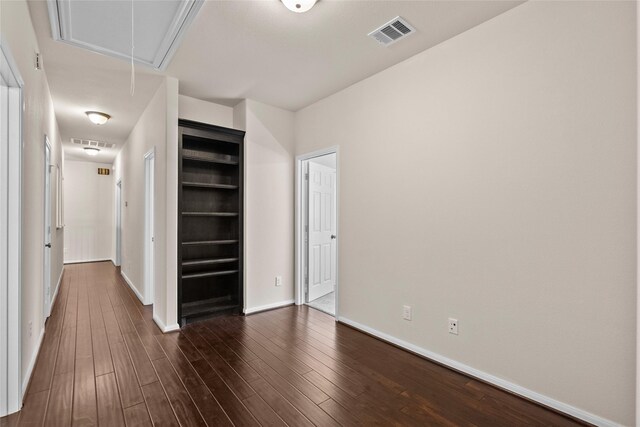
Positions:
(394, 30)
(92, 143)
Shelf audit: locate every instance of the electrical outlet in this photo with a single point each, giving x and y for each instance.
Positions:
(406, 312)
(278, 280)
(30, 328)
(453, 326)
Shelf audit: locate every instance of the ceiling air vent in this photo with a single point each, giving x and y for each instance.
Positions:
(394, 30)
(92, 143)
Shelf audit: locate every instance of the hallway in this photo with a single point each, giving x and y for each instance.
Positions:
(103, 361)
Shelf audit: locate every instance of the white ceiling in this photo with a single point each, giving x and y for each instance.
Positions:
(261, 50)
(247, 49)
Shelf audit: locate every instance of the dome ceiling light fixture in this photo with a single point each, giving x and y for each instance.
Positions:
(299, 6)
(90, 151)
(97, 117)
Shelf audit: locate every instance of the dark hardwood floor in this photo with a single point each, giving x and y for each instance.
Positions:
(103, 361)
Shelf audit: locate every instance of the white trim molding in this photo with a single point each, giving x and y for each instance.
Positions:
(484, 376)
(32, 362)
(164, 328)
(85, 261)
(131, 285)
(55, 292)
(11, 234)
(36, 353)
(637, 214)
(266, 307)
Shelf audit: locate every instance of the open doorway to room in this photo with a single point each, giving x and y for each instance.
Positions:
(317, 248)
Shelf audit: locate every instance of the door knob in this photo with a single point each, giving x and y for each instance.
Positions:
(48, 245)
(333, 236)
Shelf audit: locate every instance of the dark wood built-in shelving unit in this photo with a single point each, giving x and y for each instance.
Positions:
(210, 217)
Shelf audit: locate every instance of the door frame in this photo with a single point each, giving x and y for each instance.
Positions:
(11, 391)
(301, 204)
(47, 234)
(149, 226)
(118, 227)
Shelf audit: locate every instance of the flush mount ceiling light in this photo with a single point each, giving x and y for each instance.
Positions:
(299, 6)
(97, 117)
(91, 151)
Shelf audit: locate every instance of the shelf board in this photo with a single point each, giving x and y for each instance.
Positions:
(210, 160)
(209, 242)
(201, 308)
(210, 213)
(203, 185)
(208, 274)
(197, 262)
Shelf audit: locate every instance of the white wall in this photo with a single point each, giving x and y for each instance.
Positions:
(204, 112)
(89, 212)
(492, 179)
(156, 128)
(17, 32)
(269, 171)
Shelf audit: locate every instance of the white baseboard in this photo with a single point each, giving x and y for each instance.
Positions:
(55, 292)
(133, 288)
(82, 261)
(499, 382)
(34, 357)
(163, 327)
(268, 307)
(32, 364)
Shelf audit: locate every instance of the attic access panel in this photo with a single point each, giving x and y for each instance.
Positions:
(104, 26)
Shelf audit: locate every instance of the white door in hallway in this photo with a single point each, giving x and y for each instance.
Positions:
(149, 221)
(322, 231)
(47, 227)
(119, 223)
(4, 230)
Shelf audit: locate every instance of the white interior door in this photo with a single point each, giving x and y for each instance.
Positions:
(47, 227)
(4, 247)
(322, 230)
(149, 246)
(118, 223)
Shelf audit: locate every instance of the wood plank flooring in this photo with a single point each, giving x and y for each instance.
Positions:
(104, 362)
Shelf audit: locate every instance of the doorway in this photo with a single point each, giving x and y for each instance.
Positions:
(149, 221)
(118, 260)
(11, 84)
(47, 227)
(317, 230)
